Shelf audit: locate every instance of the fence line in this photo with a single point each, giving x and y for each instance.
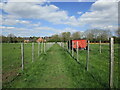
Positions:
(111, 61)
(41, 46)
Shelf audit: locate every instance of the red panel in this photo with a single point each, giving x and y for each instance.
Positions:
(81, 43)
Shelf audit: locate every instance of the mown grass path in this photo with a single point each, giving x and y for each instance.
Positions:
(55, 74)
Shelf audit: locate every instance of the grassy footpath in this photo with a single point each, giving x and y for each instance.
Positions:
(57, 69)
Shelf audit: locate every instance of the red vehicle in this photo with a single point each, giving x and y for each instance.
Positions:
(82, 44)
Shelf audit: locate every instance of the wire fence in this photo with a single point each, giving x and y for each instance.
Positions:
(100, 60)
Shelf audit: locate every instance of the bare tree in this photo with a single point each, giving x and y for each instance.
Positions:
(98, 34)
(118, 32)
(66, 36)
(76, 35)
(11, 38)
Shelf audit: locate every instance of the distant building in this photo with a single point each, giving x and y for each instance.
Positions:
(26, 40)
(40, 40)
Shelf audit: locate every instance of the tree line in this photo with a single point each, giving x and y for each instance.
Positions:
(92, 35)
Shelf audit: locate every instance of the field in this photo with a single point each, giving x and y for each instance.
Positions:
(56, 68)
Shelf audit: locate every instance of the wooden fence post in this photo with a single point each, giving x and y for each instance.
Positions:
(32, 51)
(66, 46)
(69, 46)
(38, 49)
(111, 63)
(22, 54)
(77, 50)
(100, 46)
(72, 48)
(41, 47)
(87, 60)
(44, 48)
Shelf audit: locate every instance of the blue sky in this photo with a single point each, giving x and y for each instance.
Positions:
(45, 19)
(74, 7)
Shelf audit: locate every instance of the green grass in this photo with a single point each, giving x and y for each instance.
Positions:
(56, 68)
(11, 60)
(99, 64)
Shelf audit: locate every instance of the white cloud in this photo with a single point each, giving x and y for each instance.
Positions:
(72, 21)
(0, 19)
(79, 12)
(1, 5)
(102, 14)
(14, 22)
(69, 30)
(3, 27)
(40, 1)
(40, 31)
(50, 13)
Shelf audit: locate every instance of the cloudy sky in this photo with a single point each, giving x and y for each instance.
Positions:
(45, 18)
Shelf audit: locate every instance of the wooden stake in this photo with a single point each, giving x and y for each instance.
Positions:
(77, 50)
(22, 54)
(32, 52)
(38, 49)
(69, 45)
(100, 46)
(66, 46)
(87, 60)
(72, 49)
(41, 47)
(111, 62)
(44, 48)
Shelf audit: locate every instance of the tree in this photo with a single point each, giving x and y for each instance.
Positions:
(68, 35)
(55, 38)
(98, 34)
(11, 38)
(65, 36)
(118, 32)
(4, 39)
(76, 35)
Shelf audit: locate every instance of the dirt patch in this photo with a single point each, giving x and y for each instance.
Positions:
(8, 76)
(59, 77)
